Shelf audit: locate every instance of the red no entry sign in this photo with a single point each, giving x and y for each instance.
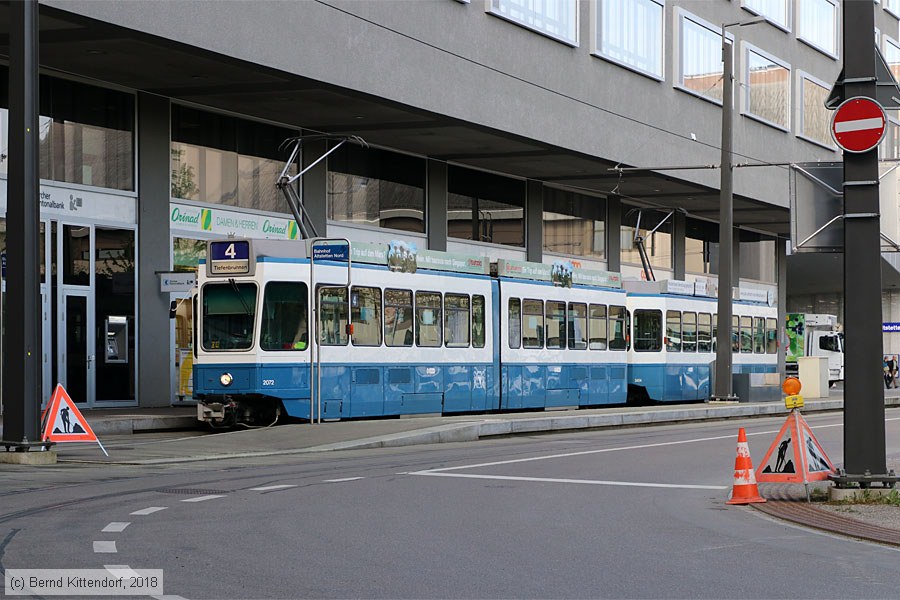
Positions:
(858, 124)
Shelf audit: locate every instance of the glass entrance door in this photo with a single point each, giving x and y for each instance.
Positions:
(76, 348)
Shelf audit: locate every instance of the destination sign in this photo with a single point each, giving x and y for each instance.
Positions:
(229, 257)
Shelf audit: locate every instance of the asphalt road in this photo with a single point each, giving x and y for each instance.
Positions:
(627, 513)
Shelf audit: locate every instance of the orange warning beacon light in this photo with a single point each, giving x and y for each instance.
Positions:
(791, 386)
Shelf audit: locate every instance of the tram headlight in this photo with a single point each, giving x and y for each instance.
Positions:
(225, 379)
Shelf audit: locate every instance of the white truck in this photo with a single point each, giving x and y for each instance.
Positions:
(815, 335)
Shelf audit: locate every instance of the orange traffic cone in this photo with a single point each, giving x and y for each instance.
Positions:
(745, 490)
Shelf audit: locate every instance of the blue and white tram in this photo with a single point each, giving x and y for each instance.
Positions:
(674, 341)
(388, 343)
(561, 346)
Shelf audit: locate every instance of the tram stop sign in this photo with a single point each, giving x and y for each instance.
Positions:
(858, 124)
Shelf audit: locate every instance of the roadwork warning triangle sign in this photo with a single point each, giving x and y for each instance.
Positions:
(798, 456)
(63, 422)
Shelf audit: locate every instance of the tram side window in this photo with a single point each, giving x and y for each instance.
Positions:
(398, 318)
(335, 315)
(673, 331)
(715, 334)
(478, 321)
(771, 336)
(285, 323)
(746, 335)
(365, 312)
(456, 321)
(577, 326)
(598, 327)
(647, 330)
(759, 335)
(515, 323)
(556, 325)
(689, 332)
(533, 324)
(618, 328)
(704, 333)
(228, 314)
(428, 319)
(735, 334)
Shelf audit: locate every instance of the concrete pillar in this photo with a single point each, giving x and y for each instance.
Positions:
(154, 250)
(613, 234)
(314, 185)
(679, 223)
(436, 205)
(781, 280)
(534, 221)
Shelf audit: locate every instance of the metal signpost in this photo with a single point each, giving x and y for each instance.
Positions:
(856, 128)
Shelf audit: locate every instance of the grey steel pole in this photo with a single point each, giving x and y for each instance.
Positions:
(724, 358)
(22, 350)
(864, 432)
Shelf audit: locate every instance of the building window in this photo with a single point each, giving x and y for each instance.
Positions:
(630, 32)
(485, 207)
(893, 7)
(700, 67)
(377, 188)
(225, 160)
(574, 223)
(768, 85)
(815, 119)
(892, 56)
(889, 149)
(817, 25)
(85, 133)
(776, 12)
(554, 18)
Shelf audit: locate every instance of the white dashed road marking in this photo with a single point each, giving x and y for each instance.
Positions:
(105, 547)
(343, 480)
(121, 571)
(115, 527)
(203, 498)
(150, 510)
(271, 487)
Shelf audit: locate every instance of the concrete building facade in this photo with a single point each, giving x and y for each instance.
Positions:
(506, 128)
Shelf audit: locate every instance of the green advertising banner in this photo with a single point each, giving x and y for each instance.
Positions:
(560, 273)
(795, 330)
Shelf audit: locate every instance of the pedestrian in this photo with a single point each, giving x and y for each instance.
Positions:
(890, 370)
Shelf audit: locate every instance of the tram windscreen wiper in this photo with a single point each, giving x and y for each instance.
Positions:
(240, 296)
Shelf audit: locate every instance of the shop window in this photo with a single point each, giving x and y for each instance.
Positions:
(225, 160)
(574, 223)
(85, 133)
(377, 188)
(485, 207)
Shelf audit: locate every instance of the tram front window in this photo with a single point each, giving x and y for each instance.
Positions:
(228, 310)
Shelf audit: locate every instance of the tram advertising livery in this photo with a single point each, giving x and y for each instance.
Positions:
(371, 330)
